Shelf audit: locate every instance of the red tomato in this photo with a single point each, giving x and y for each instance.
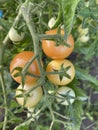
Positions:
(20, 60)
(57, 52)
(55, 65)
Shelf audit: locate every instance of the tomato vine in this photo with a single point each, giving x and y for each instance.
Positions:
(31, 19)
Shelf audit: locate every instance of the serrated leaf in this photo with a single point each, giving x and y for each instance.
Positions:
(84, 75)
(68, 7)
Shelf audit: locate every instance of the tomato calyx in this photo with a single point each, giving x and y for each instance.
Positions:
(21, 72)
(62, 72)
(65, 95)
(29, 95)
(58, 38)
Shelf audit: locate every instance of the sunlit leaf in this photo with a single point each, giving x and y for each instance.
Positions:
(68, 7)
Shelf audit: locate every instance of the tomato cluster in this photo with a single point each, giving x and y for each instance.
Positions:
(60, 71)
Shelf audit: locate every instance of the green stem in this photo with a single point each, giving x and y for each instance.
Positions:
(24, 70)
(58, 38)
(60, 115)
(49, 36)
(29, 21)
(2, 48)
(5, 100)
(50, 109)
(23, 124)
(51, 125)
(6, 40)
(61, 122)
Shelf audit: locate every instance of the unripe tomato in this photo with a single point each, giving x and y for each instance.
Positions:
(20, 60)
(15, 36)
(51, 22)
(84, 38)
(65, 95)
(32, 98)
(55, 65)
(82, 31)
(57, 52)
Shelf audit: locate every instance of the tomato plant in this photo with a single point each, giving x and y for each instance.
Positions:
(27, 97)
(65, 71)
(57, 51)
(19, 61)
(65, 95)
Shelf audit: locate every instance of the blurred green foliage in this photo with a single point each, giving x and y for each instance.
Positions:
(84, 57)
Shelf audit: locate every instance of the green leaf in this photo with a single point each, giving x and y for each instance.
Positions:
(40, 127)
(68, 7)
(80, 94)
(23, 126)
(84, 75)
(59, 17)
(76, 112)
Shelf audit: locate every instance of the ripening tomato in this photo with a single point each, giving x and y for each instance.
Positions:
(32, 98)
(20, 60)
(65, 95)
(55, 66)
(57, 52)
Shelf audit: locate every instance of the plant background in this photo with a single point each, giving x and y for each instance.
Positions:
(84, 57)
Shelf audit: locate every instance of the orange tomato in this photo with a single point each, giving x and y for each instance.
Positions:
(57, 52)
(55, 65)
(32, 98)
(20, 60)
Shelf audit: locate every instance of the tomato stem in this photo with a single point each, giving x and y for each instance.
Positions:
(60, 40)
(30, 24)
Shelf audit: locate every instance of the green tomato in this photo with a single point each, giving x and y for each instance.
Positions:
(15, 36)
(65, 95)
